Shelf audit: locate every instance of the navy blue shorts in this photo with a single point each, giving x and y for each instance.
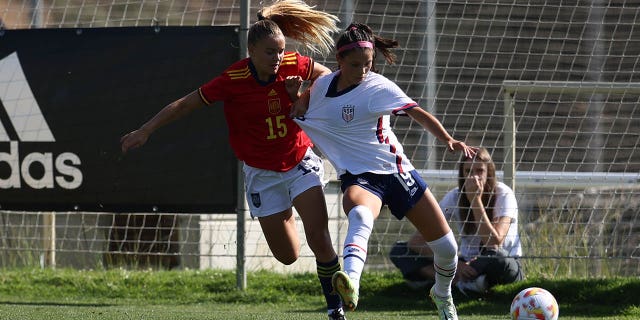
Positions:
(399, 191)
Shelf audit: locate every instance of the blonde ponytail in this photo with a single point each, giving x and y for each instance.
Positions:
(301, 22)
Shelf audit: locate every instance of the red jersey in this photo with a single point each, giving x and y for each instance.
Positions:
(261, 133)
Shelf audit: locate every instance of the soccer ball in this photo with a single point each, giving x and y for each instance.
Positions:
(534, 303)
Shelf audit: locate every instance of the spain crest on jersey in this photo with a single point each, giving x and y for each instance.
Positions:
(347, 113)
(274, 106)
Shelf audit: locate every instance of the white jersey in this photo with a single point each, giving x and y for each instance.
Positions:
(505, 206)
(352, 127)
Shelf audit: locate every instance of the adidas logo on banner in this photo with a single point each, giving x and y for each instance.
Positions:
(26, 118)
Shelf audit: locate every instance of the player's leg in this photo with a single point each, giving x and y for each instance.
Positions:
(282, 236)
(362, 208)
(312, 209)
(305, 187)
(268, 199)
(428, 218)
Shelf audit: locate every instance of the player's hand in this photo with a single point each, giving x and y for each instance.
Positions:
(466, 272)
(472, 187)
(455, 145)
(300, 106)
(133, 140)
(292, 85)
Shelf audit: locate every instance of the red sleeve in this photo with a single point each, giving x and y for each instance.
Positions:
(296, 64)
(213, 90)
(218, 89)
(308, 63)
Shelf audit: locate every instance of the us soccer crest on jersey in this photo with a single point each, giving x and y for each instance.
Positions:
(348, 112)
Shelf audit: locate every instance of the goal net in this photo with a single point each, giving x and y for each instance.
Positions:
(549, 87)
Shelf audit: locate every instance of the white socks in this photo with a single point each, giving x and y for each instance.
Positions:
(445, 261)
(445, 251)
(356, 241)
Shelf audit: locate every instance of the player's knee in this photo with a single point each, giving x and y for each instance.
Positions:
(450, 251)
(288, 257)
(361, 215)
(445, 247)
(287, 260)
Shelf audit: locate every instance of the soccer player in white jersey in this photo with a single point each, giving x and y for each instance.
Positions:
(348, 120)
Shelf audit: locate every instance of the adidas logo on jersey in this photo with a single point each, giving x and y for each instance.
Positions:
(26, 118)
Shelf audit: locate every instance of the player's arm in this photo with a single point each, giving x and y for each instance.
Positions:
(301, 104)
(493, 232)
(501, 226)
(168, 114)
(318, 70)
(505, 208)
(433, 125)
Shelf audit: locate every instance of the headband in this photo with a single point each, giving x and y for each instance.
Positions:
(358, 44)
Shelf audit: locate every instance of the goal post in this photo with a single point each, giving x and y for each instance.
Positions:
(583, 88)
(570, 152)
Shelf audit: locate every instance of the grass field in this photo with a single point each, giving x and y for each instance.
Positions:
(180, 295)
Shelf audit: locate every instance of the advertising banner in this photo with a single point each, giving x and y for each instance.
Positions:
(68, 95)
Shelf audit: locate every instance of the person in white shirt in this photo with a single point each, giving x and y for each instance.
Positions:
(485, 212)
(348, 120)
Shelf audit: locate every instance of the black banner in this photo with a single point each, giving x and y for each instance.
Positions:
(68, 95)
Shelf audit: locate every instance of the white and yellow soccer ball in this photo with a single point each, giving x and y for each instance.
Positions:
(535, 304)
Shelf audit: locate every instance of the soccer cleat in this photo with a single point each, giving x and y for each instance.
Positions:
(446, 308)
(344, 288)
(337, 314)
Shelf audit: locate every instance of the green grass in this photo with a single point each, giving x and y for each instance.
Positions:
(189, 294)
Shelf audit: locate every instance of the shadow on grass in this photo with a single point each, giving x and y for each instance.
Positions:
(582, 298)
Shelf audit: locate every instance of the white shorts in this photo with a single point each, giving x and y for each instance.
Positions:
(270, 192)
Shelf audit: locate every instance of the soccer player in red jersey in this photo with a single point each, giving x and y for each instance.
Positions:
(281, 171)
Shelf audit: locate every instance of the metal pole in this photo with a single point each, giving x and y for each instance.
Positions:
(595, 141)
(49, 240)
(509, 168)
(243, 208)
(347, 12)
(430, 58)
(36, 14)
